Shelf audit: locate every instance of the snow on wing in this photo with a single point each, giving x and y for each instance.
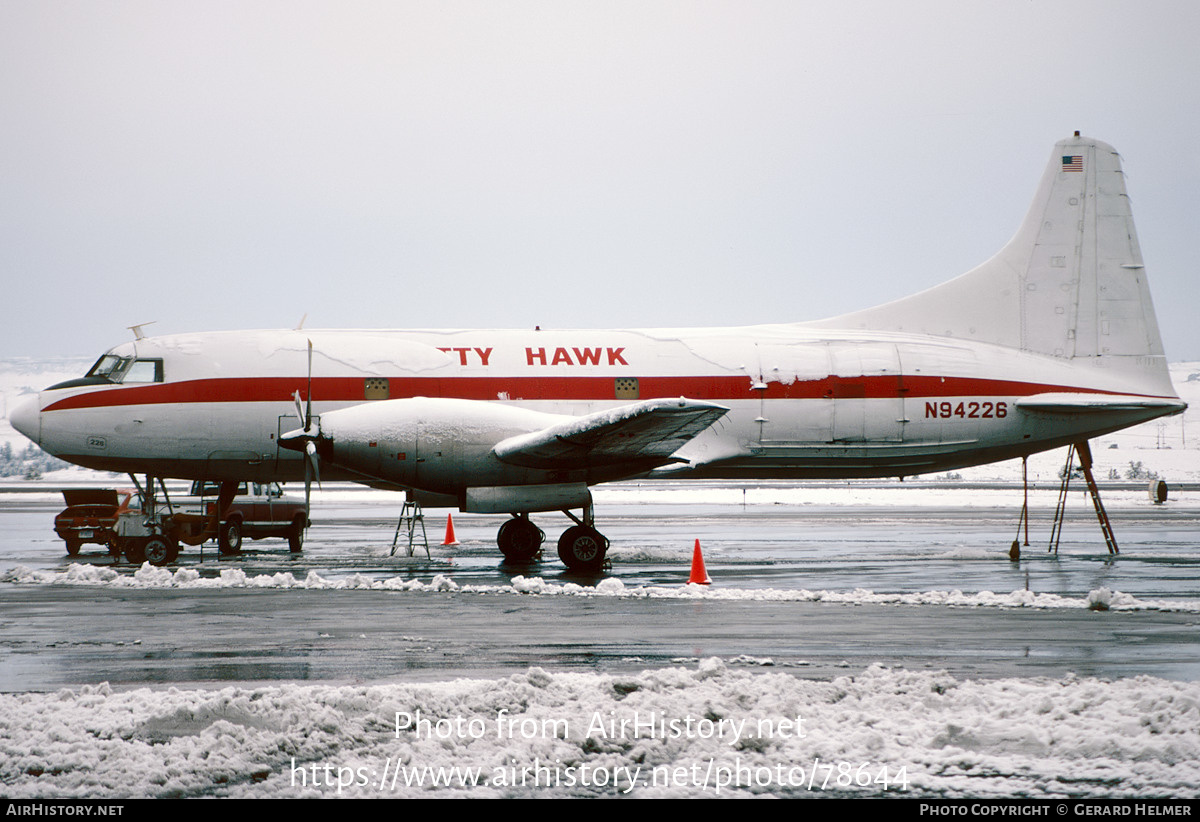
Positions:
(642, 432)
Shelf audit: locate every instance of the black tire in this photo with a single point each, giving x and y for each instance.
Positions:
(582, 549)
(229, 537)
(159, 550)
(73, 546)
(296, 537)
(520, 541)
(135, 550)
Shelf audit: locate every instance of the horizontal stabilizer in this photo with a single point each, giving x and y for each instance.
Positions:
(648, 431)
(1079, 403)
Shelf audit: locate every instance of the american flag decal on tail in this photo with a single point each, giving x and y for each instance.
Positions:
(1074, 163)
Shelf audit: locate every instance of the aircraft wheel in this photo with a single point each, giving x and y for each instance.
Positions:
(135, 550)
(229, 537)
(73, 546)
(582, 549)
(520, 540)
(158, 550)
(296, 537)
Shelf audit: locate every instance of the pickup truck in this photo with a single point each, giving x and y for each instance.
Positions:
(258, 511)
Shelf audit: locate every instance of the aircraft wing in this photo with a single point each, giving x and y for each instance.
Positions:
(644, 432)
(1085, 403)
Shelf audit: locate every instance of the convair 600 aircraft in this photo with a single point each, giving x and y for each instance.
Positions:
(1051, 342)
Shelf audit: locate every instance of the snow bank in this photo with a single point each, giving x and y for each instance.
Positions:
(710, 730)
(149, 576)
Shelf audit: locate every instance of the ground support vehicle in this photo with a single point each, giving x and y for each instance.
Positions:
(149, 525)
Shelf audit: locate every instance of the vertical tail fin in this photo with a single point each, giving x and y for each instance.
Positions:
(1070, 284)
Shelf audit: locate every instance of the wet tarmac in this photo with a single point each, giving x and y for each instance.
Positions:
(55, 635)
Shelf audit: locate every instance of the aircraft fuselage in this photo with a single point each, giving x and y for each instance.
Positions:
(802, 403)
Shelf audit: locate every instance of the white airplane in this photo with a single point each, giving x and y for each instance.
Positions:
(1051, 342)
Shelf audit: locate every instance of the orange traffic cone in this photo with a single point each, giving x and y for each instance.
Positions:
(450, 540)
(699, 575)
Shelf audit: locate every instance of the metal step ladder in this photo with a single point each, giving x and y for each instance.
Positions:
(1085, 463)
(410, 517)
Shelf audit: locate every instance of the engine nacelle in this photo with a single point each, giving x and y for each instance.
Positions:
(441, 445)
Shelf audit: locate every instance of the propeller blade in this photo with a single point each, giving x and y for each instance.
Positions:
(305, 438)
(310, 451)
(307, 490)
(308, 402)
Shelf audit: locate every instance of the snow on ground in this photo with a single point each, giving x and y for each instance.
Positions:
(148, 576)
(699, 729)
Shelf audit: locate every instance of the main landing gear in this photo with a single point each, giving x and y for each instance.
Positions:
(520, 540)
(581, 547)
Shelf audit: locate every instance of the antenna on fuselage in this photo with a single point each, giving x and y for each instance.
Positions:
(300, 325)
(138, 334)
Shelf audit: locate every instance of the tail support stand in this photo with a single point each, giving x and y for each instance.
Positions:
(1014, 553)
(410, 517)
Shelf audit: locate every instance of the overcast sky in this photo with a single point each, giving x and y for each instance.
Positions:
(214, 165)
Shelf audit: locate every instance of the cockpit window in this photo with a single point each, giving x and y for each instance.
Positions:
(111, 369)
(143, 371)
(106, 365)
(114, 369)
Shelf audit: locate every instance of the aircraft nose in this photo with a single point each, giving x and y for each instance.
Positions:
(27, 418)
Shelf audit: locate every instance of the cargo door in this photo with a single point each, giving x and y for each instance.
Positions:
(867, 388)
(793, 407)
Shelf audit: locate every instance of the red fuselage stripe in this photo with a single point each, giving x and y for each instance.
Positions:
(714, 388)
